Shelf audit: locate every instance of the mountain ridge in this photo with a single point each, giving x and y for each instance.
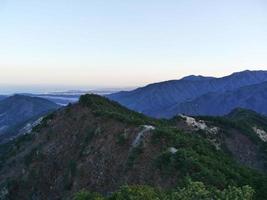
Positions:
(153, 99)
(251, 97)
(17, 110)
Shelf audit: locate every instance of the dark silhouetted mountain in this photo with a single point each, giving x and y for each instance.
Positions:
(154, 99)
(17, 110)
(253, 97)
(196, 78)
(98, 145)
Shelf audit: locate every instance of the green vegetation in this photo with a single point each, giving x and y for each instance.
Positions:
(244, 121)
(44, 122)
(191, 191)
(107, 108)
(13, 147)
(121, 139)
(84, 195)
(110, 109)
(69, 174)
(198, 159)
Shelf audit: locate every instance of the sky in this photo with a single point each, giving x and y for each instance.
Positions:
(84, 44)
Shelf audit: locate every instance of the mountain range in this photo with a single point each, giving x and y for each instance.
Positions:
(100, 146)
(253, 97)
(214, 142)
(190, 95)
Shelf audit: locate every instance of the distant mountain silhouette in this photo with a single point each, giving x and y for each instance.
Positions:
(17, 110)
(155, 99)
(196, 78)
(252, 97)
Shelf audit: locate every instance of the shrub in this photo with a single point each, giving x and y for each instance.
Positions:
(121, 138)
(135, 193)
(191, 191)
(84, 195)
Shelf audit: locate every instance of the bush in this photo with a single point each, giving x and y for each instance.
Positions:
(135, 193)
(121, 139)
(84, 195)
(198, 191)
(191, 191)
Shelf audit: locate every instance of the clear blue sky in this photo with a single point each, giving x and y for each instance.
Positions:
(60, 44)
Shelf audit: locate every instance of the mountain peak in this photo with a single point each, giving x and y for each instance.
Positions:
(105, 107)
(196, 78)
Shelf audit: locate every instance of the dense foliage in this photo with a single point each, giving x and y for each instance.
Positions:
(103, 107)
(192, 191)
(198, 159)
(244, 121)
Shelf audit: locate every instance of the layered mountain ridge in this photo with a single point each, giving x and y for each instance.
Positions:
(253, 97)
(164, 99)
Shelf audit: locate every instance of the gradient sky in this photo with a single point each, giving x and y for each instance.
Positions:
(80, 44)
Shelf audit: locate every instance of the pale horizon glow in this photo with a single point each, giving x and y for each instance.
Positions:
(60, 45)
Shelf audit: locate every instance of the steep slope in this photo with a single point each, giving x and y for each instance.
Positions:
(252, 97)
(253, 122)
(16, 111)
(99, 145)
(243, 134)
(154, 99)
